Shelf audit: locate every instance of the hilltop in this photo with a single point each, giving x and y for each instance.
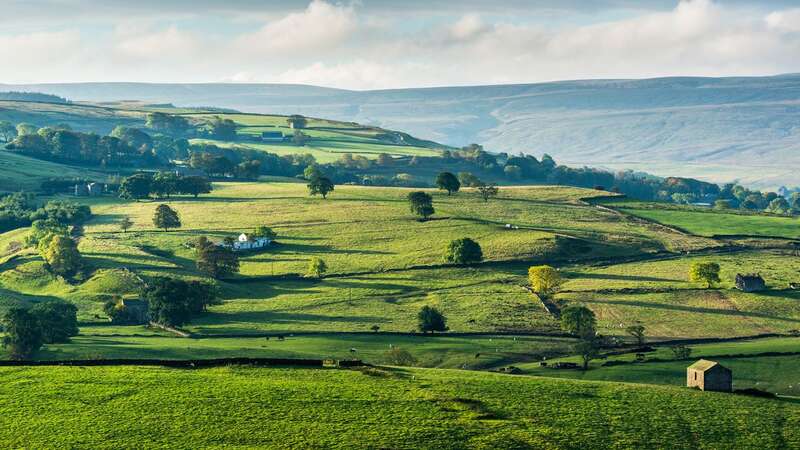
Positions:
(704, 127)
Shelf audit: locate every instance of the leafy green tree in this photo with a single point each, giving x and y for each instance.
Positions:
(167, 301)
(487, 191)
(588, 349)
(463, 251)
(166, 217)
(681, 351)
(136, 187)
(704, 272)
(779, 206)
(214, 260)
(316, 268)
(430, 319)
(119, 313)
(722, 204)
(164, 184)
(399, 357)
(312, 171)
(194, 186)
(513, 172)
(421, 204)
(57, 319)
(637, 331)
(223, 129)
(296, 121)
(8, 132)
(167, 123)
(125, 224)
(468, 179)
(61, 255)
(320, 185)
(26, 129)
(545, 280)
(579, 321)
(134, 137)
(299, 138)
(265, 232)
(23, 334)
(446, 181)
(43, 230)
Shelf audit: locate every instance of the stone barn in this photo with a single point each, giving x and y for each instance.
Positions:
(750, 282)
(709, 376)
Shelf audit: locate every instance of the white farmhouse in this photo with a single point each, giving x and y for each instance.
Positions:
(249, 242)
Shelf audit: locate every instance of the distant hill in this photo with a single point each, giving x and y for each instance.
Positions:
(717, 129)
(32, 97)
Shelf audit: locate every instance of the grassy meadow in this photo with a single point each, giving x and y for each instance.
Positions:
(237, 407)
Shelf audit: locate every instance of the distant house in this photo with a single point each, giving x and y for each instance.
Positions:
(709, 376)
(272, 136)
(94, 189)
(136, 309)
(248, 242)
(750, 282)
(81, 190)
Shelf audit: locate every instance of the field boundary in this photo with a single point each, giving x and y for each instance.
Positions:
(187, 363)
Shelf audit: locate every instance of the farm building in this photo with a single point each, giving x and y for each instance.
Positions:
(272, 136)
(249, 242)
(750, 282)
(91, 189)
(709, 376)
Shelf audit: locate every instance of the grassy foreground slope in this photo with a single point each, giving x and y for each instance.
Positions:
(239, 407)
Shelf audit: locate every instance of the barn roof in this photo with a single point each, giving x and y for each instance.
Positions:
(703, 365)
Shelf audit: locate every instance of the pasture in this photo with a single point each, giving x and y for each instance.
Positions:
(375, 408)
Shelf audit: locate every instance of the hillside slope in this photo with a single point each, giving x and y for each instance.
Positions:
(706, 127)
(239, 407)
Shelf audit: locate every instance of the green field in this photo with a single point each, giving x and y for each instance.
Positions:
(710, 223)
(240, 407)
(752, 363)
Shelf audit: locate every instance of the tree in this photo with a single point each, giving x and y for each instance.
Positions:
(125, 224)
(779, 206)
(588, 349)
(468, 179)
(446, 181)
(513, 172)
(299, 138)
(637, 331)
(26, 129)
(421, 204)
(296, 121)
(164, 184)
(44, 229)
(311, 172)
(399, 357)
(681, 351)
(136, 187)
(167, 301)
(544, 280)
(119, 314)
(214, 260)
(7, 131)
(487, 190)
(463, 251)
(61, 255)
(57, 319)
(704, 272)
(320, 185)
(579, 321)
(194, 186)
(223, 129)
(23, 334)
(316, 268)
(722, 204)
(166, 217)
(167, 123)
(429, 319)
(265, 232)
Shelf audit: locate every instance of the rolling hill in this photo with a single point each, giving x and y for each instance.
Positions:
(718, 129)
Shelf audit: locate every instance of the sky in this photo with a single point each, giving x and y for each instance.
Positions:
(377, 44)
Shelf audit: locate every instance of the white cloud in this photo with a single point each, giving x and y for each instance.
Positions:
(784, 21)
(138, 42)
(320, 26)
(357, 74)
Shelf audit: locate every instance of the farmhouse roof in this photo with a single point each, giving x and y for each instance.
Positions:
(750, 276)
(704, 365)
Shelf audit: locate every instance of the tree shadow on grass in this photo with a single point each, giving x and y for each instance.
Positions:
(281, 318)
(602, 276)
